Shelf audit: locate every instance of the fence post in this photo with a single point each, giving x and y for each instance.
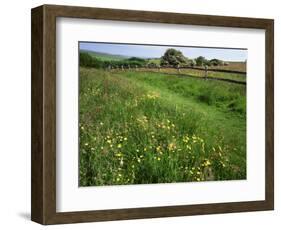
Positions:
(178, 68)
(206, 72)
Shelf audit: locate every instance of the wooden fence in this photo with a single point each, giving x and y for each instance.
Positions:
(179, 71)
(215, 70)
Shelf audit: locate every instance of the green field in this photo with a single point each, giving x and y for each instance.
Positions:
(143, 128)
(104, 56)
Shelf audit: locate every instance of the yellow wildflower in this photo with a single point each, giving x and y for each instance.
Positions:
(207, 163)
(118, 154)
(185, 139)
(171, 146)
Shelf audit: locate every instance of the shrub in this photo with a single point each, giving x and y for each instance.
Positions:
(173, 57)
(191, 62)
(200, 61)
(87, 60)
(216, 62)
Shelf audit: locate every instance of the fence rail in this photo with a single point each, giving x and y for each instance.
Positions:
(187, 67)
(178, 72)
(203, 78)
(215, 70)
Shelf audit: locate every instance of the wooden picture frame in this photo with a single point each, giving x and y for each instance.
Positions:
(43, 202)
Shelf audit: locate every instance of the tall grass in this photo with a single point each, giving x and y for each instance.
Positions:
(138, 128)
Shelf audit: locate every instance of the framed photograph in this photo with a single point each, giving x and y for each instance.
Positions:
(139, 114)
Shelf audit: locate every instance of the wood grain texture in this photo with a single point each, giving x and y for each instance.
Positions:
(37, 115)
(43, 207)
(269, 114)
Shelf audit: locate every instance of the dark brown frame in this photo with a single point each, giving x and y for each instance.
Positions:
(43, 170)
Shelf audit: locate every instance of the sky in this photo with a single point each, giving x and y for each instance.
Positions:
(153, 51)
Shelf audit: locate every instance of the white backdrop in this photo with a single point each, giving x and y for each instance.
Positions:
(71, 197)
(15, 113)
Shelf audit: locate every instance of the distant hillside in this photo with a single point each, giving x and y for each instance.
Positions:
(232, 65)
(105, 56)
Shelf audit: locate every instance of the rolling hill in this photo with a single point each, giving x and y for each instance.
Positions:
(105, 56)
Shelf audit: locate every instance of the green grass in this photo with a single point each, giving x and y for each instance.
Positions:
(142, 128)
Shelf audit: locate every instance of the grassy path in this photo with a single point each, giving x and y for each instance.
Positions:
(213, 120)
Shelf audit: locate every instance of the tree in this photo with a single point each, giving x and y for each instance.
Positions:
(216, 62)
(200, 61)
(191, 62)
(172, 57)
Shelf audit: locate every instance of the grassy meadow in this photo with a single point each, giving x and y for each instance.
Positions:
(138, 127)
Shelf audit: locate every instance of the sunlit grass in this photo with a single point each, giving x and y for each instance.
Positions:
(141, 128)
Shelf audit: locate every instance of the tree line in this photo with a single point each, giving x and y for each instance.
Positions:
(171, 57)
